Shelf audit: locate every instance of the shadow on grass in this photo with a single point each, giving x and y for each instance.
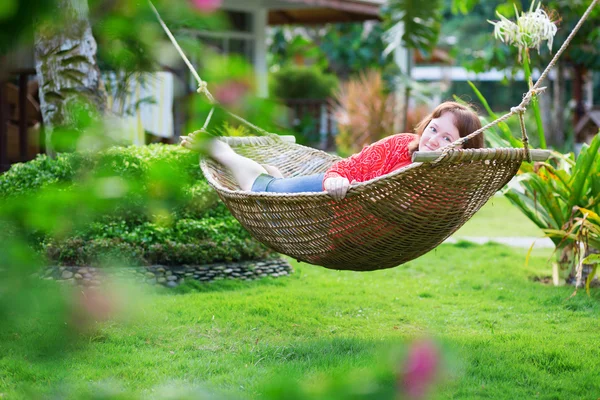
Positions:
(226, 285)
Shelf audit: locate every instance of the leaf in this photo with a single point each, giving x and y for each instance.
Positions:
(549, 202)
(527, 207)
(592, 259)
(591, 276)
(421, 24)
(583, 167)
(529, 254)
(462, 6)
(508, 136)
(560, 234)
(592, 216)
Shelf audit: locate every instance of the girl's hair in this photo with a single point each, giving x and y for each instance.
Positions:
(465, 120)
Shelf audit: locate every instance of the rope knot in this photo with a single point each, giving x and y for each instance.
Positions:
(518, 109)
(202, 87)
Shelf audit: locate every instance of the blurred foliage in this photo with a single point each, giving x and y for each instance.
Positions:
(420, 25)
(300, 82)
(468, 35)
(17, 18)
(499, 95)
(130, 38)
(411, 372)
(146, 205)
(343, 49)
(584, 49)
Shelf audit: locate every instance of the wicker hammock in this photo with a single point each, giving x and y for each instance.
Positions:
(381, 223)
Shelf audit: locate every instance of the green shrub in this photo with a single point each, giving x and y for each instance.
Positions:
(140, 205)
(299, 82)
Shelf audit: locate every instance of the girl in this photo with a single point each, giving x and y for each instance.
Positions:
(446, 124)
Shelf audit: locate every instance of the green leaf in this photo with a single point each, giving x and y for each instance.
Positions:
(591, 215)
(538, 216)
(545, 195)
(590, 277)
(421, 24)
(507, 134)
(462, 6)
(583, 168)
(592, 259)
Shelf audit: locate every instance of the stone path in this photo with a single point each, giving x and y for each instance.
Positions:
(524, 242)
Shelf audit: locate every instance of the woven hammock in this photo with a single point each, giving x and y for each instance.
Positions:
(381, 223)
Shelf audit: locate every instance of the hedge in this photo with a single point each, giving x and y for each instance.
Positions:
(142, 205)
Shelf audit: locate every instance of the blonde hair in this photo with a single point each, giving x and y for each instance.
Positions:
(465, 120)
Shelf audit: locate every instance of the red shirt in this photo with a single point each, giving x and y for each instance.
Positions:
(380, 158)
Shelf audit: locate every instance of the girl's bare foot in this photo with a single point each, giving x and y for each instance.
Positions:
(192, 143)
(273, 171)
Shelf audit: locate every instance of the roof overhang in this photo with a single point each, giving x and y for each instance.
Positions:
(316, 12)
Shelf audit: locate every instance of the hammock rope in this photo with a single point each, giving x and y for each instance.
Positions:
(202, 84)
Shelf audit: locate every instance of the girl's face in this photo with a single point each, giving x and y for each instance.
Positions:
(440, 132)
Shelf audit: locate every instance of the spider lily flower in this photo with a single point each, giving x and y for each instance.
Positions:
(530, 30)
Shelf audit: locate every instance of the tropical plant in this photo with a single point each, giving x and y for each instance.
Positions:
(562, 197)
(365, 111)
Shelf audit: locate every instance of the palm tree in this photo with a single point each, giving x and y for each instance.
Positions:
(67, 71)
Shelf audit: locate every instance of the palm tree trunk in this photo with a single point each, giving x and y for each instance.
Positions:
(68, 75)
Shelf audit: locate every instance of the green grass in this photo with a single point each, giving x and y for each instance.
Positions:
(499, 218)
(505, 336)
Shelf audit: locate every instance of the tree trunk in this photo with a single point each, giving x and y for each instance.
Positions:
(68, 75)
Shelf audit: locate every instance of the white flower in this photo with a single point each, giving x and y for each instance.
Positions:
(530, 30)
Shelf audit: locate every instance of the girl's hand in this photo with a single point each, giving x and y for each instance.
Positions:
(336, 187)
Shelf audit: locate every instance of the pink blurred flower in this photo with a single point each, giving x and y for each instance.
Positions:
(207, 6)
(231, 92)
(91, 306)
(421, 368)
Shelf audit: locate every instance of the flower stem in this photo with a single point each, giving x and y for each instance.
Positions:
(534, 102)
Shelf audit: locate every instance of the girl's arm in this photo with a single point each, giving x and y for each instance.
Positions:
(379, 158)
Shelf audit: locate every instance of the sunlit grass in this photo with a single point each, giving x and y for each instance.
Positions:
(508, 337)
(499, 218)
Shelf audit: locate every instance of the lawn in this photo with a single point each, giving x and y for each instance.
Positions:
(499, 218)
(502, 333)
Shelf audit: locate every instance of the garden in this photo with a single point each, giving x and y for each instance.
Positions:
(124, 274)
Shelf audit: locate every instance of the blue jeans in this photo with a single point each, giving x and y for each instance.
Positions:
(298, 184)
